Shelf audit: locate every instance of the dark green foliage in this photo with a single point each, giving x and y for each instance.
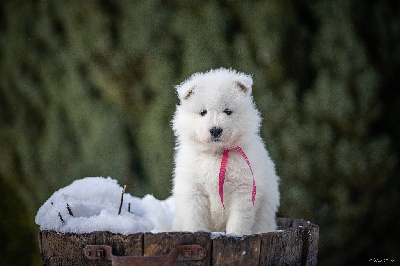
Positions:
(18, 245)
(86, 89)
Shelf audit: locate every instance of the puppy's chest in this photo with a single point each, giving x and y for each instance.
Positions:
(209, 168)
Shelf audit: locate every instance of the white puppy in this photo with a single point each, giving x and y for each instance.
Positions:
(217, 115)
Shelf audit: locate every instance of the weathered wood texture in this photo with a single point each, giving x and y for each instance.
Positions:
(294, 243)
(231, 250)
(160, 244)
(67, 249)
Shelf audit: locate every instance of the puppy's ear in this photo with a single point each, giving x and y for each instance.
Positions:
(185, 90)
(244, 83)
(188, 93)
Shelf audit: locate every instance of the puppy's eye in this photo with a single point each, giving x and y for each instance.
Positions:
(227, 111)
(203, 113)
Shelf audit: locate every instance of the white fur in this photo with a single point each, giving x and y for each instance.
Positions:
(198, 157)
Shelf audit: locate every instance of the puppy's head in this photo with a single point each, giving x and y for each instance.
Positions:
(216, 109)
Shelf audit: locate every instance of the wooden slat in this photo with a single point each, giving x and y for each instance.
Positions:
(310, 244)
(67, 249)
(282, 248)
(131, 245)
(230, 250)
(163, 243)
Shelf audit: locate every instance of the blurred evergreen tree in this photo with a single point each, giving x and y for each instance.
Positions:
(18, 245)
(86, 89)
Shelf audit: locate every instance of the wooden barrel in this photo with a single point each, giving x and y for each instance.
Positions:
(294, 243)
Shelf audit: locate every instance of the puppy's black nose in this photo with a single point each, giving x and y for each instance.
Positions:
(216, 132)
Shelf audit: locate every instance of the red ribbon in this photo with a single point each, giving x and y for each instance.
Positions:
(222, 172)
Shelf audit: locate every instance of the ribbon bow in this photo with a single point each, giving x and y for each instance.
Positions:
(222, 172)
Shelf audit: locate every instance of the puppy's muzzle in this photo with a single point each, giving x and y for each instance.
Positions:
(216, 133)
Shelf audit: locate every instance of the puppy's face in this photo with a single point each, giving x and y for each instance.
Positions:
(216, 109)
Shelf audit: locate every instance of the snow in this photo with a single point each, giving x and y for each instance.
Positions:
(94, 204)
(215, 235)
